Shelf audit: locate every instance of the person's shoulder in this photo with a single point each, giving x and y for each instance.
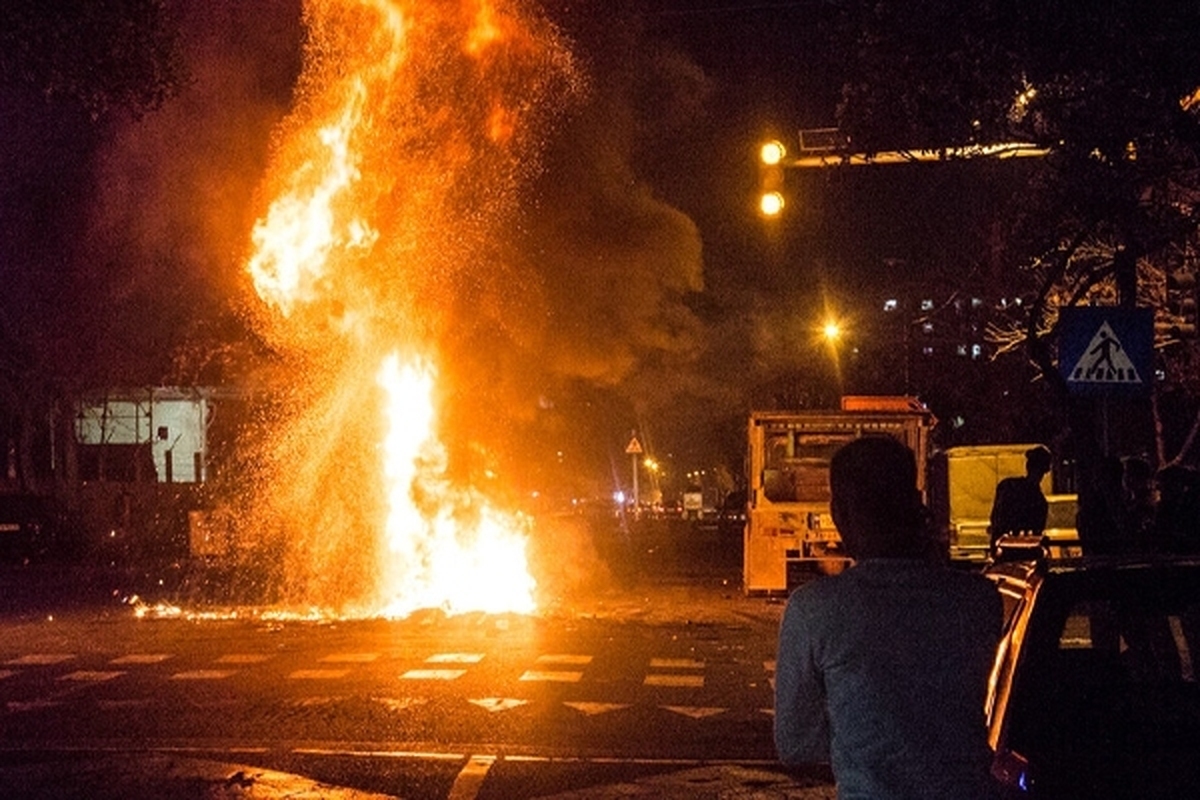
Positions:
(818, 592)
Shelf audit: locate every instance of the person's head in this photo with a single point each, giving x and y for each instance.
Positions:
(1037, 462)
(875, 502)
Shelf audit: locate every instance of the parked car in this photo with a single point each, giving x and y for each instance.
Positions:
(24, 526)
(1094, 691)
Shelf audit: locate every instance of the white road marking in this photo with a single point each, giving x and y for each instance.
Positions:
(564, 659)
(676, 663)
(455, 658)
(592, 709)
(31, 705)
(202, 675)
(141, 658)
(318, 674)
(690, 681)
(350, 658)
(39, 659)
(695, 712)
(399, 703)
(551, 676)
(90, 676)
(470, 779)
(499, 703)
(243, 658)
(433, 674)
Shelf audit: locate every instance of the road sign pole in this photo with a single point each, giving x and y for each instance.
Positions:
(637, 502)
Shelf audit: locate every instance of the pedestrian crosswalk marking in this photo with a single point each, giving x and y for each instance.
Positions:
(690, 681)
(242, 658)
(202, 675)
(455, 658)
(676, 663)
(31, 705)
(118, 704)
(140, 658)
(564, 659)
(350, 658)
(399, 703)
(90, 676)
(39, 660)
(433, 674)
(551, 676)
(318, 674)
(592, 709)
(495, 704)
(695, 712)
(316, 701)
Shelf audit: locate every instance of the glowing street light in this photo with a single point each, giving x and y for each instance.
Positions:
(832, 331)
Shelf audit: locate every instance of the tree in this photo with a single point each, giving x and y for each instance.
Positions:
(1112, 90)
(64, 67)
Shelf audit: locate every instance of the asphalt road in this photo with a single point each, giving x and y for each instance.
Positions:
(654, 681)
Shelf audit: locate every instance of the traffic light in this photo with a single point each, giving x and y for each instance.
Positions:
(770, 165)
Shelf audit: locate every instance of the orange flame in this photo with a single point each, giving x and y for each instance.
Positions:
(356, 182)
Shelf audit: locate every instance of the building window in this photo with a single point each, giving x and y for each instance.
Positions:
(927, 350)
(976, 350)
(927, 328)
(927, 305)
(890, 305)
(961, 350)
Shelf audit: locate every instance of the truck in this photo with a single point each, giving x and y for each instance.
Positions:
(788, 524)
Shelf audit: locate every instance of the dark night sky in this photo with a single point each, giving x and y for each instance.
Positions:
(662, 147)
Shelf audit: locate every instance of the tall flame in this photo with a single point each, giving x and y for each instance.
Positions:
(369, 173)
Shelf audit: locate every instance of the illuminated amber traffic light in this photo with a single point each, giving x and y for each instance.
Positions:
(770, 197)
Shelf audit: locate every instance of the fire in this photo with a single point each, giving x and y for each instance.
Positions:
(447, 548)
(367, 203)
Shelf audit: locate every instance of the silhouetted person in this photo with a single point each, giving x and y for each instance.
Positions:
(1177, 519)
(1020, 506)
(882, 670)
(1138, 505)
(1099, 515)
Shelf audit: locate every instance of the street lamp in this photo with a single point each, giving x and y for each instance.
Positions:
(832, 331)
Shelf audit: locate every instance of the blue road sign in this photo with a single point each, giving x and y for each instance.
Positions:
(1106, 350)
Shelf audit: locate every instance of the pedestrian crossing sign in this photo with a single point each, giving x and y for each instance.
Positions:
(1104, 350)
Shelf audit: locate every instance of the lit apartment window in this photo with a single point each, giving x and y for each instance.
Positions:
(927, 350)
(927, 305)
(890, 305)
(976, 302)
(961, 350)
(927, 328)
(976, 350)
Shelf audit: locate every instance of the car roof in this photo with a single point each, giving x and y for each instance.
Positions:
(1028, 569)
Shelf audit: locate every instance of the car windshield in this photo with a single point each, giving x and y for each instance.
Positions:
(1109, 698)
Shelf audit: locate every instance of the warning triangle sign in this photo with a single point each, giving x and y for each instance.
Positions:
(1104, 361)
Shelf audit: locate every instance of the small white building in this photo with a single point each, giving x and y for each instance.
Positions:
(168, 423)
